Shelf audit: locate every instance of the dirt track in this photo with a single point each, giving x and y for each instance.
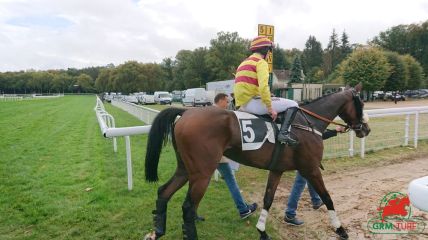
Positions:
(400, 104)
(356, 195)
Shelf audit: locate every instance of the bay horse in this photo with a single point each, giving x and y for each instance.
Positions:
(202, 135)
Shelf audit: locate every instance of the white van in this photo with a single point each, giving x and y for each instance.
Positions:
(131, 99)
(195, 97)
(146, 99)
(162, 97)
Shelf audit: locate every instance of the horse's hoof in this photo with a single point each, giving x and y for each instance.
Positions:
(264, 235)
(150, 236)
(342, 233)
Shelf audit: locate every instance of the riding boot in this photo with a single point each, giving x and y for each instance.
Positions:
(284, 132)
(159, 217)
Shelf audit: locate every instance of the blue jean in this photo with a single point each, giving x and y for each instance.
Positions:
(230, 180)
(296, 191)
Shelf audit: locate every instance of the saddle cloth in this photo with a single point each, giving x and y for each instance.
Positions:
(254, 131)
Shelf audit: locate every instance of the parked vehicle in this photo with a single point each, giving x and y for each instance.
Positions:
(412, 93)
(423, 93)
(176, 95)
(131, 99)
(157, 96)
(398, 96)
(195, 97)
(108, 98)
(146, 99)
(378, 94)
(394, 96)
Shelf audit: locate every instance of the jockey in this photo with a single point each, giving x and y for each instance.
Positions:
(252, 92)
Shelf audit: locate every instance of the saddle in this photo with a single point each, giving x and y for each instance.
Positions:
(279, 148)
(255, 131)
(275, 125)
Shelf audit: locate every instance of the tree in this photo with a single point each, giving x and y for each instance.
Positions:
(59, 82)
(152, 80)
(103, 82)
(280, 60)
(397, 78)
(85, 82)
(184, 73)
(332, 54)
(225, 54)
(296, 71)
(415, 74)
(167, 66)
(406, 39)
(40, 81)
(127, 77)
(312, 58)
(368, 66)
(312, 54)
(345, 48)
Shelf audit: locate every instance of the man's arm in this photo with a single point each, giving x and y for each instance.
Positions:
(328, 134)
(332, 133)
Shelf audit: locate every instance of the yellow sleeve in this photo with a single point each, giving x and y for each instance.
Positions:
(263, 78)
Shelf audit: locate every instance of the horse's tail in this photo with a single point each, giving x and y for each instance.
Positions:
(161, 128)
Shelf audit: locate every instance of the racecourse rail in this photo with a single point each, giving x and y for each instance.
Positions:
(408, 125)
(22, 97)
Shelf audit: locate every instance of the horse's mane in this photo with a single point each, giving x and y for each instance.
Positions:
(317, 99)
(359, 108)
(358, 104)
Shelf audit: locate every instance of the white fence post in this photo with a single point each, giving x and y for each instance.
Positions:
(128, 161)
(416, 129)
(363, 147)
(406, 130)
(351, 143)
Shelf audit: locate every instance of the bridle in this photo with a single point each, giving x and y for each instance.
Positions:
(363, 119)
(348, 126)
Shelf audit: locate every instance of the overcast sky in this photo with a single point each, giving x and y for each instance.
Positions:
(53, 34)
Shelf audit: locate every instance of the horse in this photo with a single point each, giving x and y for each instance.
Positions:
(202, 135)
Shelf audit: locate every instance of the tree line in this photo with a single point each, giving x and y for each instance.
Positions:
(396, 59)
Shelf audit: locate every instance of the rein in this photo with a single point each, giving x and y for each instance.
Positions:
(323, 118)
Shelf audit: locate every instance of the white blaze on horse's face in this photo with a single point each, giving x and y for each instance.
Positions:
(365, 118)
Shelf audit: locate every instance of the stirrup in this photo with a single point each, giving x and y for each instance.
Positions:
(286, 139)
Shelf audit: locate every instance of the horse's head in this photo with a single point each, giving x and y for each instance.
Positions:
(352, 113)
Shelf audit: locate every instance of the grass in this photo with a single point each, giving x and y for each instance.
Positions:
(59, 179)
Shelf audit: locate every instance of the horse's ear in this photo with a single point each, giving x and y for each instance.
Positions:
(358, 87)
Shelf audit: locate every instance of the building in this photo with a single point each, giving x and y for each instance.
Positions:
(296, 91)
(280, 87)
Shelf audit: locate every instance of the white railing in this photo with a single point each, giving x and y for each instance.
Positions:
(390, 128)
(146, 115)
(109, 130)
(21, 97)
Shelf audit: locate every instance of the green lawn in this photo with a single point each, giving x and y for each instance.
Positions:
(52, 150)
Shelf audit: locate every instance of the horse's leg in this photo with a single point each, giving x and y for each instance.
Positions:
(272, 184)
(314, 177)
(165, 193)
(197, 188)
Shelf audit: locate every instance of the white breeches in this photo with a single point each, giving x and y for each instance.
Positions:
(256, 106)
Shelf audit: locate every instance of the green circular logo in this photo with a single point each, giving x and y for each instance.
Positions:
(395, 205)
